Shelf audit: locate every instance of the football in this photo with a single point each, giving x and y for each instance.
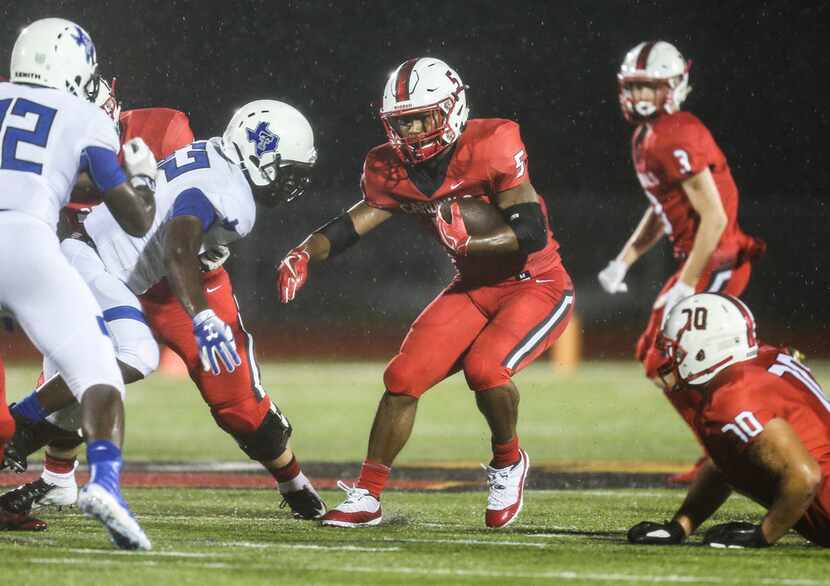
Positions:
(480, 218)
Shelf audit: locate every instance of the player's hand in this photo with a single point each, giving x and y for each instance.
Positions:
(650, 533)
(214, 257)
(292, 273)
(216, 343)
(736, 534)
(612, 277)
(678, 292)
(454, 233)
(140, 161)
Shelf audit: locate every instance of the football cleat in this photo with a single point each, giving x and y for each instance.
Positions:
(507, 487)
(360, 509)
(19, 522)
(305, 503)
(97, 502)
(39, 493)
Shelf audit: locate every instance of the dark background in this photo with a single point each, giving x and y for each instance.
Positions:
(760, 79)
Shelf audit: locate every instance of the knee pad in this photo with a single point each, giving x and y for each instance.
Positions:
(134, 345)
(401, 377)
(269, 440)
(484, 372)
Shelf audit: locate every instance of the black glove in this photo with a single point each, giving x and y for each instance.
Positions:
(735, 534)
(650, 533)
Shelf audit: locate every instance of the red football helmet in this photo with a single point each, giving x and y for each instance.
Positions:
(659, 64)
(430, 88)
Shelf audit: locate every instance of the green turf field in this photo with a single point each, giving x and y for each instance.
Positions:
(605, 413)
(210, 537)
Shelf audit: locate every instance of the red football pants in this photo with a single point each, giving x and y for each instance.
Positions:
(237, 400)
(488, 332)
(6, 421)
(728, 280)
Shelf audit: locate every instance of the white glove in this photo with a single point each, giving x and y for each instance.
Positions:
(214, 257)
(139, 159)
(612, 277)
(672, 297)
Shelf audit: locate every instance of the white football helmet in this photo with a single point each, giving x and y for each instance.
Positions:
(274, 145)
(56, 53)
(657, 63)
(706, 333)
(430, 87)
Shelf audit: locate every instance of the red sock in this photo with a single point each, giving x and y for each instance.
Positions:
(58, 465)
(505, 454)
(287, 472)
(373, 477)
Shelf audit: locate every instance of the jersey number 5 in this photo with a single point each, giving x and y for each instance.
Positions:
(12, 136)
(683, 159)
(520, 158)
(195, 158)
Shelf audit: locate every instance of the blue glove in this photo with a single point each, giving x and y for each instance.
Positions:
(216, 343)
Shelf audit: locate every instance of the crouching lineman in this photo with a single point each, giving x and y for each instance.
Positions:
(47, 109)
(206, 199)
(763, 419)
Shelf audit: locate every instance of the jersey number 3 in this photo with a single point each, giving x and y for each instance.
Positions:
(12, 136)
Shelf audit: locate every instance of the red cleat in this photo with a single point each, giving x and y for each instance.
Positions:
(507, 488)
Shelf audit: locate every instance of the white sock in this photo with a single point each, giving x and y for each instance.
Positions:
(65, 480)
(295, 484)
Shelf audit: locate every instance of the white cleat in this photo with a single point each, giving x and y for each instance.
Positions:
(360, 509)
(97, 502)
(507, 487)
(57, 496)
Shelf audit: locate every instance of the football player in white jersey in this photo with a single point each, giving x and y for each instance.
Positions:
(205, 200)
(49, 131)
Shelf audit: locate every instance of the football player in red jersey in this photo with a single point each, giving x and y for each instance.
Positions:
(692, 196)
(763, 419)
(510, 300)
(237, 398)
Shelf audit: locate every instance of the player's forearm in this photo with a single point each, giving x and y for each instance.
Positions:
(707, 493)
(181, 259)
(317, 246)
(706, 241)
(796, 491)
(647, 233)
(134, 208)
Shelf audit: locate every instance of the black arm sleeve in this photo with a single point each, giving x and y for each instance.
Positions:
(528, 223)
(340, 233)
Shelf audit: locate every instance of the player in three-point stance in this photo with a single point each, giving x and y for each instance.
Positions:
(206, 200)
(763, 419)
(50, 130)
(692, 197)
(511, 298)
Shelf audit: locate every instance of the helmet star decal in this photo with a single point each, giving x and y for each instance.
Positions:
(82, 40)
(264, 140)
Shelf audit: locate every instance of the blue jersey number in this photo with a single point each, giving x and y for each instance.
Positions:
(12, 135)
(197, 158)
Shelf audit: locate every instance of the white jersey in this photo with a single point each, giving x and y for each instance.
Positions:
(44, 133)
(139, 262)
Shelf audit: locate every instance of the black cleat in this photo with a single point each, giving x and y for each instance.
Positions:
(305, 503)
(21, 499)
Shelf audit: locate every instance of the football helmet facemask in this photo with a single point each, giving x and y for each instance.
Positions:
(56, 53)
(106, 100)
(706, 333)
(660, 65)
(429, 90)
(274, 146)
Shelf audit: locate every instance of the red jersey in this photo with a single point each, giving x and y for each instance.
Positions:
(666, 152)
(741, 400)
(163, 129)
(488, 158)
